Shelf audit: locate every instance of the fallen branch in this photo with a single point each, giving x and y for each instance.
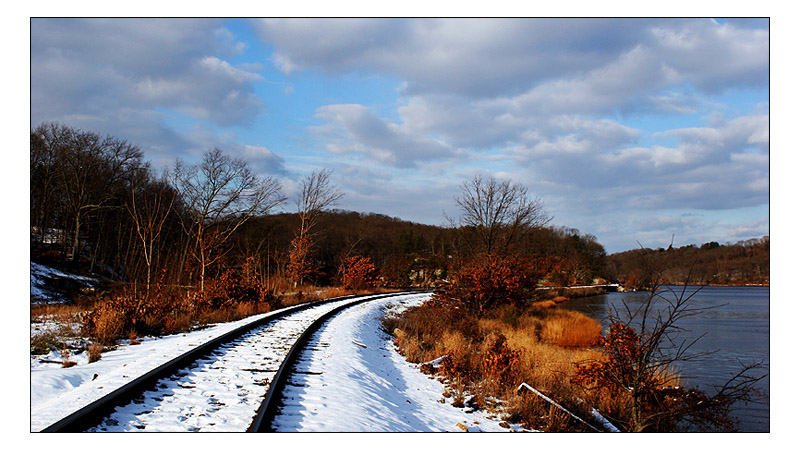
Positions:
(600, 419)
(548, 400)
(436, 362)
(604, 422)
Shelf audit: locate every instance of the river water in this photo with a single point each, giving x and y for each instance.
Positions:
(736, 328)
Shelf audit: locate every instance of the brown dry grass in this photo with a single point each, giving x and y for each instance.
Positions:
(106, 321)
(109, 325)
(547, 344)
(63, 311)
(95, 352)
(570, 329)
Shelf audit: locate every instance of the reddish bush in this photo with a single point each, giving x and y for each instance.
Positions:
(170, 309)
(358, 272)
(500, 362)
(653, 404)
(301, 267)
(490, 280)
(236, 286)
(131, 311)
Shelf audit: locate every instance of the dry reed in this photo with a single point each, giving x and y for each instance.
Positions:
(543, 348)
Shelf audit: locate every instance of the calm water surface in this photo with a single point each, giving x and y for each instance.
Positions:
(737, 329)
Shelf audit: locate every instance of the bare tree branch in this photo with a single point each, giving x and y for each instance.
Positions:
(499, 212)
(220, 194)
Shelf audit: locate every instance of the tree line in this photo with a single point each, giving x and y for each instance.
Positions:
(98, 206)
(743, 262)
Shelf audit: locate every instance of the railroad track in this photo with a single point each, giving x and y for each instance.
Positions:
(231, 383)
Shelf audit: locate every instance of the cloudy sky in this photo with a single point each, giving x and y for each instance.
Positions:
(633, 130)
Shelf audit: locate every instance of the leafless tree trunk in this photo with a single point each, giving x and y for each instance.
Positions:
(149, 211)
(499, 212)
(220, 194)
(316, 193)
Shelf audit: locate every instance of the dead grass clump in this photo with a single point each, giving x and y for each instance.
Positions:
(43, 343)
(95, 349)
(411, 346)
(545, 304)
(308, 293)
(571, 329)
(534, 412)
(58, 312)
(133, 337)
(455, 345)
(176, 323)
(65, 361)
(107, 323)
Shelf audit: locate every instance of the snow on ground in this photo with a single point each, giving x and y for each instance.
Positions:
(222, 391)
(57, 392)
(39, 276)
(360, 389)
(355, 381)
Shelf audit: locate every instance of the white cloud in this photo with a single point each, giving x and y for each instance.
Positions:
(352, 128)
(547, 102)
(94, 66)
(490, 57)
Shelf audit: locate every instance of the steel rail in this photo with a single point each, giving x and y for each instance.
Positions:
(93, 413)
(269, 409)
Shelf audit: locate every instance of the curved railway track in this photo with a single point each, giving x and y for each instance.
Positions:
(218, 386)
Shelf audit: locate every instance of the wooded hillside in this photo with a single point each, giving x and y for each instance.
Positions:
(98, 207)
(744, 262)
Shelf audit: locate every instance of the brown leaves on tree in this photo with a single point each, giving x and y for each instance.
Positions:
(301, 265)
(358, 272)
(490, 280)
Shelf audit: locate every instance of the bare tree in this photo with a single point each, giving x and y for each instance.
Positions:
(316, 193)
(498, 212)
(149, 206)
(84, 168)
(44, 166)
(220, 194)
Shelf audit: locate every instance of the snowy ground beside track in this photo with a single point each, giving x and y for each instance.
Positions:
(354, 380)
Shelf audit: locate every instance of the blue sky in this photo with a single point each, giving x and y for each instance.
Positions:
(633, 130)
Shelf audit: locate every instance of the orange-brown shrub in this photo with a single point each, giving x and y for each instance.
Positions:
(301, 266)
(489, 280)
(236, 286)
(131, 311)
(106, 323)
(499, 361)
(358, 272)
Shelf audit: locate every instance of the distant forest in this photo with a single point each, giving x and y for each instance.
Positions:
(96, 206)
(741, 263)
